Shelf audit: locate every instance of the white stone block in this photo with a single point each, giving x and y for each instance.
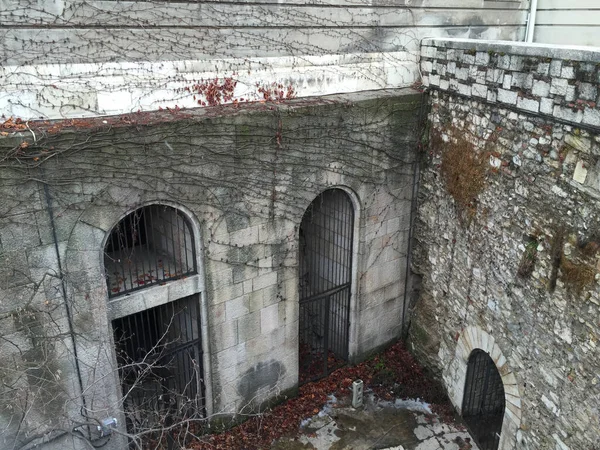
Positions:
(464, 89)
(516, 62)
(567, 72)
(505, 96)
(428, 52)
(462, 73)
(246, 236)
(236, 308)
(264, 281)
(588, 91)
(580, 173)
(528, 104)
(479, 90)
(540, 88)
(591, 116)
(546, 105)
(555, 68)
(559, 86)
(504, 62)
(570, 94)
(494, 75)
(543, 69)
(468, 58)
(269, 318)
(114, 102)
(482, 58)
(224, 335)
(567, 114)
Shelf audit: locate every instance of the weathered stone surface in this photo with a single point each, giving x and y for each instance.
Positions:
(244, 178)
(555, 81)
(505, 267)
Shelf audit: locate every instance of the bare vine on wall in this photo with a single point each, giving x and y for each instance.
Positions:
(464, 169)
(266, 175)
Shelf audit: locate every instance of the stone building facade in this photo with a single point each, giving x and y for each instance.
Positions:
(80, 58)
(508, 233)
(238, 181)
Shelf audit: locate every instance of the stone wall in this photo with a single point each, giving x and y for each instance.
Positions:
(79, 58)
(508, 233)
(243, 177)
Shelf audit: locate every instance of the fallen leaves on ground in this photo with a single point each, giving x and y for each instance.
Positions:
(391, 374)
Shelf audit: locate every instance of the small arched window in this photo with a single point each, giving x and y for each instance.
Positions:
(149, 246)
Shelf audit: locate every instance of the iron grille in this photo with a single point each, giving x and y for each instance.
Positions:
(159, 353)
(150, 246)
(484, 402)
(326, 234)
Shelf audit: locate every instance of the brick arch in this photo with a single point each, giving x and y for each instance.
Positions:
(472, 338)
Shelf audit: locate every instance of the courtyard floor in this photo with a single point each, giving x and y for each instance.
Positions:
(390, 425)
(404, 409)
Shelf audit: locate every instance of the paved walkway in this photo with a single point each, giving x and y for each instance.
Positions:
(399, 425)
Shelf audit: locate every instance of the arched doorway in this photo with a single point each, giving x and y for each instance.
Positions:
(325, 274)
(158, 334)
(484, 400)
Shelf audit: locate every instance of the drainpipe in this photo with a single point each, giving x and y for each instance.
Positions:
(531, 21)
(63, 285)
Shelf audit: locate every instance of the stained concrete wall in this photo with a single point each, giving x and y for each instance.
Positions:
(244, 177)
(511, 264)
(72, 58)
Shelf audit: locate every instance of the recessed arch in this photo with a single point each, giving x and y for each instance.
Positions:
(326, 250)
(151, 245)
(484, 400)
(472, 339)
(87, 287)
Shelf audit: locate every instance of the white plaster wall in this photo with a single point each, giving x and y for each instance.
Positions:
(74, 58)
(574, 22)
(85, 90)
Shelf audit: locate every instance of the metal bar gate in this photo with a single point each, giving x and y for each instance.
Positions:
(159, 352)
(484, 402)
(326, 238)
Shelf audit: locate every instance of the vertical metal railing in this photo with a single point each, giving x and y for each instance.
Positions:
(152, 245)
(326, 238)
(484, 401)
(159, 353)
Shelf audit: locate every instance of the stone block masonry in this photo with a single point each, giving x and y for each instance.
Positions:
(244, 178)
(558, 82)
(512, 267)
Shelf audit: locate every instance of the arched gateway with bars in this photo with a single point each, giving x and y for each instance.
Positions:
(325, 276)
(158, 347)
(483, 401)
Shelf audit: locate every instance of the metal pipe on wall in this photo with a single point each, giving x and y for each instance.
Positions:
(531, 21)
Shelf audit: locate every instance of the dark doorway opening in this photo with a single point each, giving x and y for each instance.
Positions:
(159, 353)
(484, 402)
(326, 235)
